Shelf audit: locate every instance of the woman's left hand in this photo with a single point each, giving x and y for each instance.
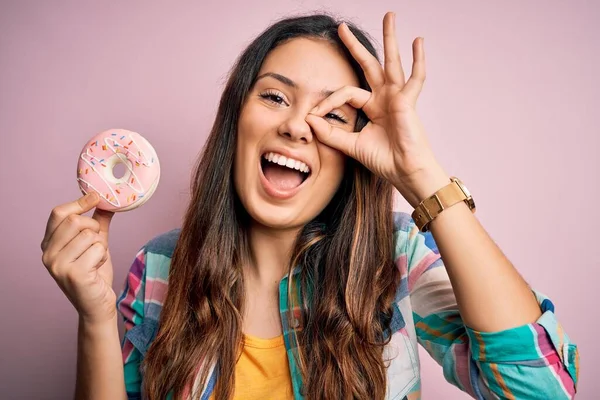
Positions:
(393, 144)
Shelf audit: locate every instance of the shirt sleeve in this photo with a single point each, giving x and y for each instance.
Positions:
(533, 361)
(131, 305)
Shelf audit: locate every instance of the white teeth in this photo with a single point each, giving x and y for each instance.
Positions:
(285, 161)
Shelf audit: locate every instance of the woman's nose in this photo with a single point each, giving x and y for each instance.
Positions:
(296, 128)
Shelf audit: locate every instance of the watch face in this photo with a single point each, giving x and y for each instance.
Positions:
(461, 186)
(469, 198)
(464, 189)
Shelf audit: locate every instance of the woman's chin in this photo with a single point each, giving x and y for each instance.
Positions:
(277, 214)
(279, 217)
(279, 221)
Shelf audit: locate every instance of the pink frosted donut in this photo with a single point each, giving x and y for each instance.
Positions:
(99, 157)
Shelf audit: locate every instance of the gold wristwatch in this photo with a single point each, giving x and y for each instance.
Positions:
(446, 197)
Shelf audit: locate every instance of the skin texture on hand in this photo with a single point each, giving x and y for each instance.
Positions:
(75, 252)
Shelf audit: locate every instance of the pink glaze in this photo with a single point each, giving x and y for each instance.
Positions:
(110, 148)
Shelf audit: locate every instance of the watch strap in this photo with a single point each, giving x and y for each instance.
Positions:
(432, 206)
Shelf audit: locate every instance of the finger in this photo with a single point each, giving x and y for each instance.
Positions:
(59, 213)
(93, 257)
(417, 77)
(392, 62)
(332, 136)
(66, 232)
(103, 217)
(74, 250)
(354, 96)
(367, 61)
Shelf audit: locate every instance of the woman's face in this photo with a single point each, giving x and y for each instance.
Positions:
(272, 130)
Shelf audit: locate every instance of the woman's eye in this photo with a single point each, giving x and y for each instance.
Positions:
(273, 97)
(336, 117)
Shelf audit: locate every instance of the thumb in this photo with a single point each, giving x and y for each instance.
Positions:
(333, 137)
(103, 217)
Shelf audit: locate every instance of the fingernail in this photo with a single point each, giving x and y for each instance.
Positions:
(314, 110)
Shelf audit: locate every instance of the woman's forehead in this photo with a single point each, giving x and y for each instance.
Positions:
(314, 64)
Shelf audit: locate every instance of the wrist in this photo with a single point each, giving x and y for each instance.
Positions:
(95, 328)
(422, 185)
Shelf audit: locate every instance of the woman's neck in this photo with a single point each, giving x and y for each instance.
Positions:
(270, 252)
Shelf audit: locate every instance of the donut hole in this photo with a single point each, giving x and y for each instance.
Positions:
(119, 170)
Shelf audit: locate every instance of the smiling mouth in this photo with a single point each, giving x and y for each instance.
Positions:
(283, 173)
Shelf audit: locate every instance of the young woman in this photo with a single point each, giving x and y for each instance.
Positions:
(291, 277)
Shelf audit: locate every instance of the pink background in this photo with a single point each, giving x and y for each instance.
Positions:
(510, 106)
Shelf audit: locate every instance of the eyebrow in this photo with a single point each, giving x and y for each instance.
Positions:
(288, 82)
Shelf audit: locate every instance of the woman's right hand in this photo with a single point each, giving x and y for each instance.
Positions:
(75, 252)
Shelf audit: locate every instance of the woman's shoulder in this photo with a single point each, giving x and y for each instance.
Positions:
(146, 284)
(155, 257)
(163, 244)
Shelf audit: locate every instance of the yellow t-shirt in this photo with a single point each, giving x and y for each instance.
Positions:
(262, 371)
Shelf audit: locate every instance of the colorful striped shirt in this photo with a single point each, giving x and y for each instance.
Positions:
(534, 361)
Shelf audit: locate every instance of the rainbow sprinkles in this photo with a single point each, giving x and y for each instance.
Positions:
(109, 149)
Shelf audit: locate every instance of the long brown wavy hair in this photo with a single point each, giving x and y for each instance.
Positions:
(347, 276)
